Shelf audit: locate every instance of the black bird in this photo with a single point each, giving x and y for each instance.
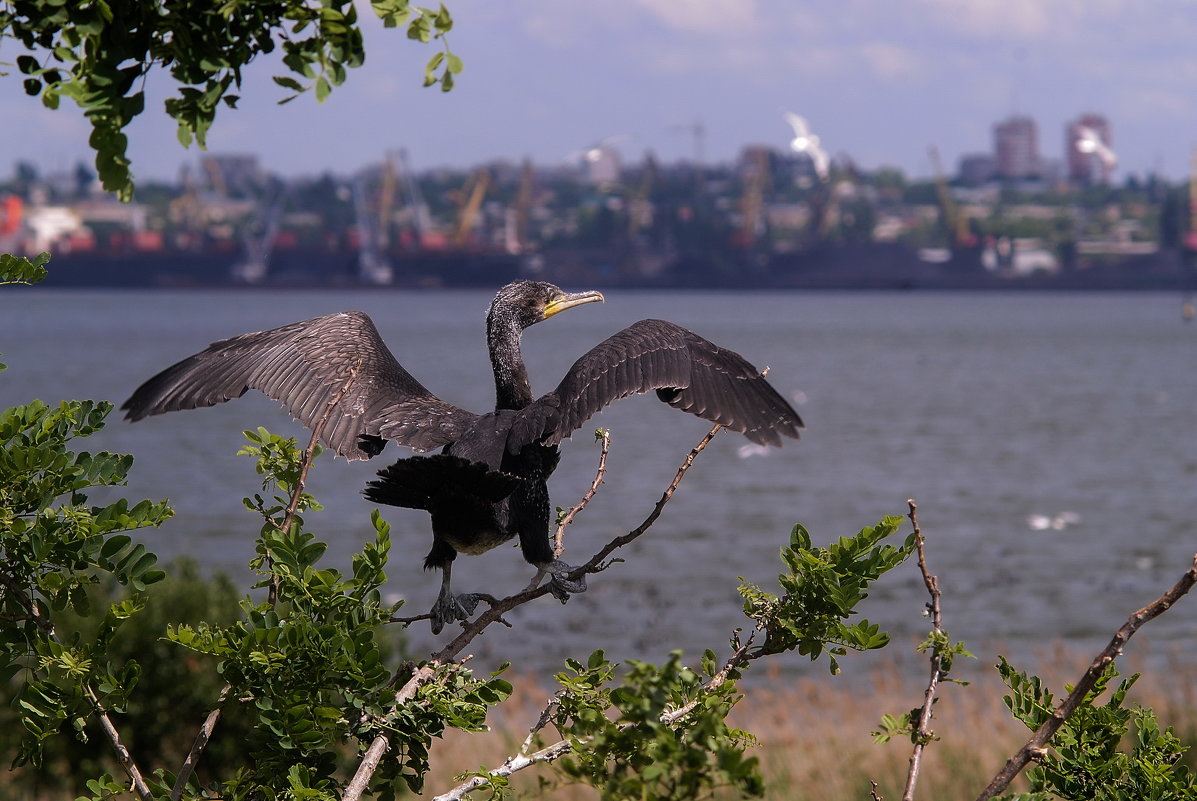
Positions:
(488, 483)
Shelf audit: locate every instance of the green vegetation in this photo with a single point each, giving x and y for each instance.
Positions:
(99, 53)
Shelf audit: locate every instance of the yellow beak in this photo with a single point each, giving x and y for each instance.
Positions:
(569, 300)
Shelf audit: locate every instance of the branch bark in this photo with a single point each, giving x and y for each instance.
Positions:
(923, 731)
(1037, 745)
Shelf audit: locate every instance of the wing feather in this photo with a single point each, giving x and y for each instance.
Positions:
(304, 366)
(688, 372)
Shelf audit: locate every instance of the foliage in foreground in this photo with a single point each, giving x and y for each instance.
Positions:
(98, 54)
(307, 667)
(1085, 762)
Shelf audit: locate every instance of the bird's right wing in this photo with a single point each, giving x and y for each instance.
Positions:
(686, 371)
(306, 366)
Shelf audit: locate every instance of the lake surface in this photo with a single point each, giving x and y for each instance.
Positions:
(999, 413)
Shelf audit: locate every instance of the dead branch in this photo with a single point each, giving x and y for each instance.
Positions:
(1037, 745)
(197, 748)
(118, 746)
(559, 536)
(923, 731)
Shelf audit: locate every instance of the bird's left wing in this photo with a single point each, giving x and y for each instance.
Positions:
(307, 366)
(686, 371)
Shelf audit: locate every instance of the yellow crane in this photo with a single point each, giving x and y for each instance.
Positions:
(386, 200)
(954, 220)
(477, 187)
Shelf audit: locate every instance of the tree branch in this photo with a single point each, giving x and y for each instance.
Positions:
(559, 537)
(118, 746)
(379, 745)
(518, 762)
(922, 734)
(305, 464)
(1037, 745)
(197, 748)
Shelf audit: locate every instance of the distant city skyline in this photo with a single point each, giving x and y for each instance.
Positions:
(877, 82)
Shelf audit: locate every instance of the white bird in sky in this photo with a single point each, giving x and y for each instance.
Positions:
(1089, 141)
(806, 142)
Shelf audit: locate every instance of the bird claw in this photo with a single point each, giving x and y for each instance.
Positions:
(450, 608)
(560, 585)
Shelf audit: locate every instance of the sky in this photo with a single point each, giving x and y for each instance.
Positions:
(879, 81)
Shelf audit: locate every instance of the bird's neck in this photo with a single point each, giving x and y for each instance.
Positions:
(512, 388)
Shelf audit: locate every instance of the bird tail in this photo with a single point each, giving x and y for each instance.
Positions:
(419, 482)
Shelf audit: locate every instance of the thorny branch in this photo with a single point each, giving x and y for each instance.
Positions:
(1037, 745)
(922, 734)
(379, 745)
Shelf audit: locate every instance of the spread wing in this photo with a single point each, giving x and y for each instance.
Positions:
(686, 371)
(305, 366)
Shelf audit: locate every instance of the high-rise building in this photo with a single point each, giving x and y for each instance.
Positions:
(1016, 148)
(1087, 147)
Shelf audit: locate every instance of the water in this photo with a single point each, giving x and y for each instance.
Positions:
(988, 409)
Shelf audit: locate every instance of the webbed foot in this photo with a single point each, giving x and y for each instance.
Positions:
(560, 584)
(450, 608)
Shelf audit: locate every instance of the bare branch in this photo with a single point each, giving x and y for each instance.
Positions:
(559, 536)
(1043, 735)
(379, 746)
(197, 748)
(922, 734)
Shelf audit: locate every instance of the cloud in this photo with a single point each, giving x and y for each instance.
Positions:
(705, 16)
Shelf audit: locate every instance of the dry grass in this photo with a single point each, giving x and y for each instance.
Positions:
(814, 733)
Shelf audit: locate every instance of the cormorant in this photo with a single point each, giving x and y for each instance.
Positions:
(488, 483)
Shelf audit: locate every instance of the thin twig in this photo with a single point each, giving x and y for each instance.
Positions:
(305, 464)
(559, 536)
(1037, 745)
(514, 764)
(546, 715)
(379, 745)
(922, 734)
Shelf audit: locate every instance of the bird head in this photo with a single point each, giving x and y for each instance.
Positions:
(530, 302)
